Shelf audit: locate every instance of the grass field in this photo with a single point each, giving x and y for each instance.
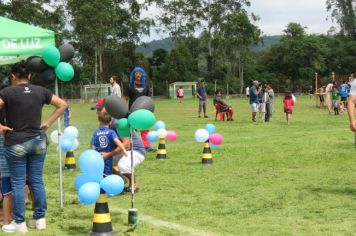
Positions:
(267, 178)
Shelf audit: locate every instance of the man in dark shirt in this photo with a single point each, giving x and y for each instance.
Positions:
(203, 98)
(136, 88)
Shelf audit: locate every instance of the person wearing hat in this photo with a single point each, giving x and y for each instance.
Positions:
(254, 91)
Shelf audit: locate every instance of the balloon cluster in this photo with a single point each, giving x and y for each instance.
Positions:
(69, 139)
(207, 134)
(161, 132)
(52, 64)
(140, 116)
(90, 181)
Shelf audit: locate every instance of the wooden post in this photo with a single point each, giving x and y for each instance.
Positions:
(316, 89)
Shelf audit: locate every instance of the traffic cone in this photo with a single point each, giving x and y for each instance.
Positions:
(161, 152)
(207, 157)
(69, 163)
(102, 218)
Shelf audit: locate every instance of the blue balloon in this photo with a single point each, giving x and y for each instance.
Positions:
(89, 192)
(112, 185)
(80, 180)
(66, 144)
(210, 128)
(159, 125)
(152, 136)
(83, 178)
(91, 162)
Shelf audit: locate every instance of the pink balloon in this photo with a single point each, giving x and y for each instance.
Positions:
(215, 139)
(171, 135)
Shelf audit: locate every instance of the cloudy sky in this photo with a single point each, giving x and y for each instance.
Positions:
(276, 14)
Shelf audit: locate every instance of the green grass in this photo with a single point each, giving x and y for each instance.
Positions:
(267, 179)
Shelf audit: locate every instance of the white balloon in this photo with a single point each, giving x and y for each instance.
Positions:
(162, 133)
(71, 132)
(201, 135)
(75, 144)
(54, 136)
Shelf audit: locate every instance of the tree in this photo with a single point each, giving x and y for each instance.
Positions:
(237, 35)
(104, 25)
(344, 12)
(297, 57)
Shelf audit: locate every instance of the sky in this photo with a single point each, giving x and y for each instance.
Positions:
(276, 14)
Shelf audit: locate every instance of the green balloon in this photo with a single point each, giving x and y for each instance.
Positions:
(142, 119)
(64, 71)
(51, 56)
(123, 127)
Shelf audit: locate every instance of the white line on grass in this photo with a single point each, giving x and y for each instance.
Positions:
(160, 223)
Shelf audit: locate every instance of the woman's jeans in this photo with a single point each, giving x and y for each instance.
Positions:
(27, 158)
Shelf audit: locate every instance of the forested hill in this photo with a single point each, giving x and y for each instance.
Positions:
(167, 44)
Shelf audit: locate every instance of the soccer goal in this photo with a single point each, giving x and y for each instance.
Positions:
(93, 91)
(188, 87)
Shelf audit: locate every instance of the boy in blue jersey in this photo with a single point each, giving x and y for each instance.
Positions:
(344, 92)
(106, 142)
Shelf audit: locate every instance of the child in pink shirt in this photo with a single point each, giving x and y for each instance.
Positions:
(180, 94)
(288, 104)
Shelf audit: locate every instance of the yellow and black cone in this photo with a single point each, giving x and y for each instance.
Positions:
(102, 218)
(161, 152)
(207, 157)
(69, 163)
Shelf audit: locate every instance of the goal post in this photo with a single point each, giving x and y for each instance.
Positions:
(188, 87)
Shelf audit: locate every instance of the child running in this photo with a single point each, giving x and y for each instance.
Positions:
(288, 104)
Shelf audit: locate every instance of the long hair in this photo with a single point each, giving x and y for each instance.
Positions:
(143, 76)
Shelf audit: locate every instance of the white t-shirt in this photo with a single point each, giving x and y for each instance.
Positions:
(115, 89)
(353, 87)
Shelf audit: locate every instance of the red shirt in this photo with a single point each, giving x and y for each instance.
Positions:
(288, 103)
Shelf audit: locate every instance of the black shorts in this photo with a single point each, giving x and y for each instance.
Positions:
(288, 111)
(343, 99)
(321, 98)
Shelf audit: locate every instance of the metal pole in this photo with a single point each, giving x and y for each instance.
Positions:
(132, 171)
(59, 153)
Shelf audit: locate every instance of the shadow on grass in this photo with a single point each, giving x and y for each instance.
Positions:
(340, 191)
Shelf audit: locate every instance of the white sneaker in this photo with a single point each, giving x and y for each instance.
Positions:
(14, 227)
(39, 224)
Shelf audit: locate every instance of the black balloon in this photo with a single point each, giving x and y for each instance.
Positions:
(143, 102)
(36, 64)
(67, 52)
(46, 77)
(116, 107)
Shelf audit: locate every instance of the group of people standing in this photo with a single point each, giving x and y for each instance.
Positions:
(261, 99)
(334, 96)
